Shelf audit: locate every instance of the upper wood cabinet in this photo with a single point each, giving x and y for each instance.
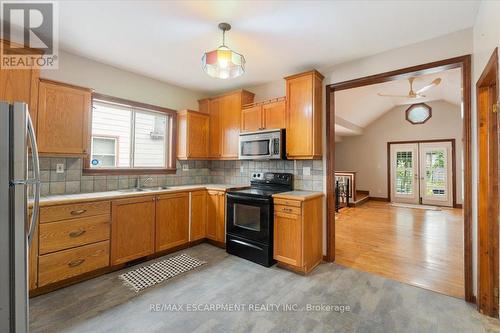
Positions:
(21, 85)
(225, 122)
(303, 120)
(192, 135)
(63, 118)
(264, 115)
(132, 229)
(198, 215)
(172, 220)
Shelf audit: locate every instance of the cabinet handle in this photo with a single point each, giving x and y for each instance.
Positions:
(77, 233)
(287, 209)
(77, 262)
(78, 212)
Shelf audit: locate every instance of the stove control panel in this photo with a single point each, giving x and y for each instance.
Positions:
(273, 178)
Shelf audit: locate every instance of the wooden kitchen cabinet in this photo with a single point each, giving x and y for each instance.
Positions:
(198, 215)
(63, 118)
(132, 229)
(216, 213)
(264, 115)
(225, 122)
(298, 232)
(172, 220)
(303, 116)
(21, 85)
(192, 135)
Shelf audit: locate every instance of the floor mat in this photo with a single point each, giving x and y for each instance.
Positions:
(150, 275)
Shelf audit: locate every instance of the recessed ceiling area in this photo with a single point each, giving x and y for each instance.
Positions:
(165, 40)
(357, 108)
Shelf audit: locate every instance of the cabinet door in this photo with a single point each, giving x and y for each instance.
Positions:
(214, 139)
(251, 119)
(198, 215)
(20, 85)
(197, 135)
(221, 218)
(212, 214)
(300, 116)
(274, 115)
(230, 124)
(288, 238)
(63, 115)
(172, 220)
(132, 229)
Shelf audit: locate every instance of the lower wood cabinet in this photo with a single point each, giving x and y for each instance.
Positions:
(132, 229)
(298, 237)
(198, 215)
(216, 213)
(65, 264)
(172, 220)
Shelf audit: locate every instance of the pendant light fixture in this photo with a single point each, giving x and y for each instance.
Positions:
(223, 63)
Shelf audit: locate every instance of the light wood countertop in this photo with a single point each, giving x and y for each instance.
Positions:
(298, 195)
(53, 200)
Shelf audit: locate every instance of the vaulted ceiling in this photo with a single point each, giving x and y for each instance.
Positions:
(358, 107)
(166, 39)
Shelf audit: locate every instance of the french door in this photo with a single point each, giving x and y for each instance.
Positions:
(421, 173)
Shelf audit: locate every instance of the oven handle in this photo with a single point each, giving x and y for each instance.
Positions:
(246, 244)
(246, 198)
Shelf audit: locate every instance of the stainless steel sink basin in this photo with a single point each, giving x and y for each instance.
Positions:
(144, 189)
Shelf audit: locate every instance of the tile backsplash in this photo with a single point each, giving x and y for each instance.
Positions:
(71, 180)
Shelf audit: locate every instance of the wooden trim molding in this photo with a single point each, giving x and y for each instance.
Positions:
(126, 102)
(488, 188)
(462, 62)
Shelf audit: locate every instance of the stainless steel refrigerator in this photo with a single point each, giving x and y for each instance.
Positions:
(18, 152)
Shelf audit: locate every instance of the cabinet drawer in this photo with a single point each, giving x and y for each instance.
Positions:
(286, 202)
(62, 235)
(288, 209)
(64, 212)
(62, 265)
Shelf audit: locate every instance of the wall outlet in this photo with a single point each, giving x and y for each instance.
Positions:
(185, 167)
(306, 171)
(60, 168)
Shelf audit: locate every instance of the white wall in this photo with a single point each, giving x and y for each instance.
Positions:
(367, 154)
(112, 81)
(486, 38)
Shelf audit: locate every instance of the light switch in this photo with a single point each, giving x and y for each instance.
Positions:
(242, 169)
(306, 171)
(60, 168)
(185, 167)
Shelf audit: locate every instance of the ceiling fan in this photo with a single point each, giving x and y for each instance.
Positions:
(415, 94)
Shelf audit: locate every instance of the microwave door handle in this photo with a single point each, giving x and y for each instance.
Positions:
(271, 149)
(35, 181)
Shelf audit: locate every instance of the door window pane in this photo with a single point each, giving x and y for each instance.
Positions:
(246, 216)
(435, 173)
(404, 172)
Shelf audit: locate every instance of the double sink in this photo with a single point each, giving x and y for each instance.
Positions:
(144, 189)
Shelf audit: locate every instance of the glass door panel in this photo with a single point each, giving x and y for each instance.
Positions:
(436, 178)
(404, 173)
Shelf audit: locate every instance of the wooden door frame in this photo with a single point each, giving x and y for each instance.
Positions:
(488, 196)
(453, 166)
(462, 62)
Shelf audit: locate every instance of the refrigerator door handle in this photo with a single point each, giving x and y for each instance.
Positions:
(35, 182)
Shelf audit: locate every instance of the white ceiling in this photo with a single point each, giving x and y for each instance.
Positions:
(358, 107)
(166, 39)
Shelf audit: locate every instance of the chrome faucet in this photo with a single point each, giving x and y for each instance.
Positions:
(139, 184)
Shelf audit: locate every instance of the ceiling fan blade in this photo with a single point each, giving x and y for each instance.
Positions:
(434, 83)
(388, 95)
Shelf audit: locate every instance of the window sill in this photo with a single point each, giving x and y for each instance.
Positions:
(112, 172)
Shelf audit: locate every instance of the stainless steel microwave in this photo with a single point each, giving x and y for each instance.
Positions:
(262, 145)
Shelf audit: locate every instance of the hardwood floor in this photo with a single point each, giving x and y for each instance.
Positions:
(420, 247)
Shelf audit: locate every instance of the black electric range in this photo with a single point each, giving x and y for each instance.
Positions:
(249, 222)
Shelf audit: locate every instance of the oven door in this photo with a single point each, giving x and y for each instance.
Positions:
(249, 217)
